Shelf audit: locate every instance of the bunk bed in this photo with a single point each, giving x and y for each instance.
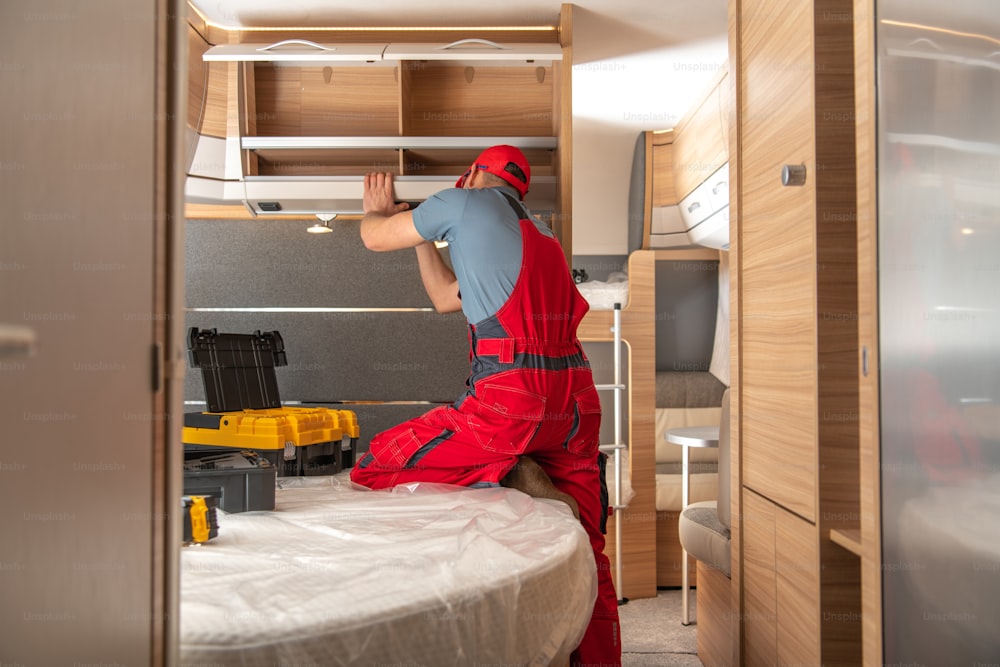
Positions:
(637, 576)
(657, 400)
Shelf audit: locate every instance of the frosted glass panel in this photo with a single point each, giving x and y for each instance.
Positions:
(939, 281)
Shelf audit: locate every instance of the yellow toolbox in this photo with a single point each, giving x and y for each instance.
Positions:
(245, 412)
(296, 440)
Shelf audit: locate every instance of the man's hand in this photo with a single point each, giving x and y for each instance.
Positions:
(380, 196)
(386, 225)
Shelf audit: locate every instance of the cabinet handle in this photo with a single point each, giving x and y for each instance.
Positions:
(298, 42)
(16, 341)
(474, 40)
(793, 174)
(694, 207)
(719, 186)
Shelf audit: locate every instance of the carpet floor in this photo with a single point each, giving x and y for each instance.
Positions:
(652, 634)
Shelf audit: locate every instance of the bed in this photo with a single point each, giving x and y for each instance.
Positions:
(424, 574)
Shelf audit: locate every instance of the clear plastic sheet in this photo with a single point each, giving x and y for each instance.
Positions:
(603, 295)
(424, 574)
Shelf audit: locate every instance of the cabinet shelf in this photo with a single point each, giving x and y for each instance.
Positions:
(396, 143)
(848, 538)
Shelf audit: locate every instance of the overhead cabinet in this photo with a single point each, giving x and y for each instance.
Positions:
(313, 118)
(688, 176)
(306, 51)
(295, 51)
(474, 50)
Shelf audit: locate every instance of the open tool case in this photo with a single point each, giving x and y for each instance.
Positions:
(245, 415)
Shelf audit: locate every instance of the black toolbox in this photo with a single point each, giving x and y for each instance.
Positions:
(240, 481)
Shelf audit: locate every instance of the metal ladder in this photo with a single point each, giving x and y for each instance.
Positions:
(616, 447)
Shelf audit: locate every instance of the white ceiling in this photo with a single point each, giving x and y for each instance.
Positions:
(632, 26)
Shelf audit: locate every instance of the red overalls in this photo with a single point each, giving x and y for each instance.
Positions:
(530, 392)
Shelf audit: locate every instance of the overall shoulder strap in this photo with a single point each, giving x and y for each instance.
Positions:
(519, 209)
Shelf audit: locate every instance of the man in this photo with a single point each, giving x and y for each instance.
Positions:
(530, 418)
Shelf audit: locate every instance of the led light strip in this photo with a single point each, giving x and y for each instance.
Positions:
(308, 310)
(494, 28)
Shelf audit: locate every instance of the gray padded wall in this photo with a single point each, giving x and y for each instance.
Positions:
(637, 194)
(399, 361)
(687, 295)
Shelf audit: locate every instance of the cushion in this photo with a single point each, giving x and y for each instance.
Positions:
(668, 418)
(703, 485)
(704, 537)
(688, 389)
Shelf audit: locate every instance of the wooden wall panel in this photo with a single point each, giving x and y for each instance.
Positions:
(216, 109)
(868, 418)
(797, 568)
(197, 78)
(349, 101)
(668, 553)
(715, 618)
(759, 615)
(360, 100)
(450, 101)
(664, 192)
(735, 97)
(562, 100)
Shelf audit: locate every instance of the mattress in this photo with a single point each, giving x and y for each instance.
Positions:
(424, 574)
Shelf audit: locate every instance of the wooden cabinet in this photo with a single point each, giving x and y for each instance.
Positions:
(701, 138)
(795, 293)
(687, 181)
(781, 574)
(321, 110)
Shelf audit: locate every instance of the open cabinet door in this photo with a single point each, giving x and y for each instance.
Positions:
(89, 292)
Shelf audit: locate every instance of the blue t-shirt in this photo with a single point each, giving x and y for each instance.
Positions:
(484, 242)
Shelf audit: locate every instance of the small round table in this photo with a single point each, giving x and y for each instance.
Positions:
(687, 437)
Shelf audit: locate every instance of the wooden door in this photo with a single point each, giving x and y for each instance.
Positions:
(92, 135)
(796, 289)
(778, 248)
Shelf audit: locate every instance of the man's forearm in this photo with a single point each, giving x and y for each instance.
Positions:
(439, 280)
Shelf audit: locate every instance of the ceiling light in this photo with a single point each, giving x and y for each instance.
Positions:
(323, 226)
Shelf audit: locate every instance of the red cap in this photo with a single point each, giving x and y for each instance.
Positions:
(507, 162)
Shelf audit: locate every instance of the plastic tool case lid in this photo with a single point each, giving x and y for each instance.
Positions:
(237, 369)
